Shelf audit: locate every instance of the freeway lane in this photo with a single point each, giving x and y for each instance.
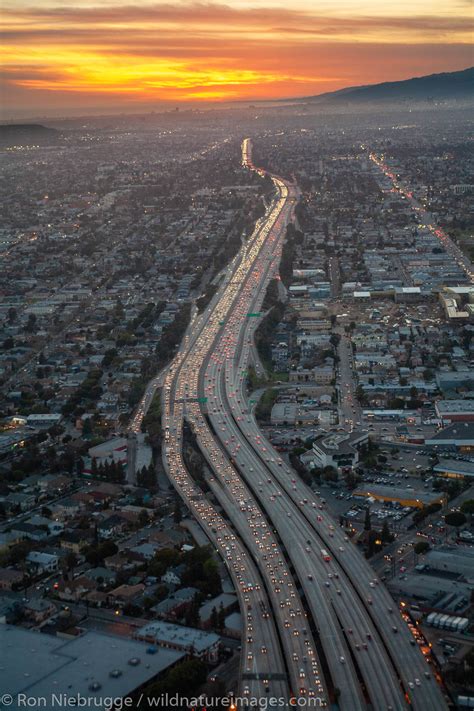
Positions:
(375, 603)
(178, 396)
(409, 662)
(349, 609)
(327, 609)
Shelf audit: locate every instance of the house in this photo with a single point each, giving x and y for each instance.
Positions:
(173, 576)
(39, 609)
(224, 601)
(145, 551)
(40, 562)
(102, 576)
(126, 593)
(175, 602)
(10, 578)
(29, 531)
(76, 540)
(74, 590)
(112, 526)
(67, 509)
(21, 500)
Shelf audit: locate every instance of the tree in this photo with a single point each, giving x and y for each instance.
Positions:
(385, 535)
(221, 617)
(372, 545)
(86, 427)
(329, 474)
(31, 326)
(71, 560)
(143, 518)
(192, 613)
(214, 618)
(177, 515)
(421, 547)
(367, 523)
(467, 507)
(456, 519)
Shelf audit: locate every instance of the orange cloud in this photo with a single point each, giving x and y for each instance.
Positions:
(189, 52)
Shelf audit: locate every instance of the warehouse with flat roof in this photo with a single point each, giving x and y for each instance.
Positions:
(415, 498)
(89, 666)
(454, 469)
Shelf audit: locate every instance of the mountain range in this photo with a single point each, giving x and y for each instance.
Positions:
(434, 87)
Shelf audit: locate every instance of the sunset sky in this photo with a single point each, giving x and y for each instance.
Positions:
(64, 57)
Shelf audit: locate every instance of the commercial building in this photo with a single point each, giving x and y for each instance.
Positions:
(43, 420)
(338, 449)
(204, 645)
(405, 497)
(459, 436)
(91, 665)
(458, 560)
(455, 410)
(454, 469)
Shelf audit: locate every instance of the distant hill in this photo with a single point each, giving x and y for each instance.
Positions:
(450, 85)
(22, 133)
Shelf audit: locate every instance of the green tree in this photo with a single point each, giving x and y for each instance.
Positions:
(467, 507)
(367, 522)
(421, 547)
(221, 617)
(143, 518)
(177, 515)
(214, 618)
(385, 535)
(456, 519)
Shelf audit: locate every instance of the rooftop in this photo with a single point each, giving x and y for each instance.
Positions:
(118, 665)
(180, 636)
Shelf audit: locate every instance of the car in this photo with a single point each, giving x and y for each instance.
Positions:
(342, 660)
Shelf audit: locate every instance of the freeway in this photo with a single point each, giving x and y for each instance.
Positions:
(360, 599)
(333, 614)
(388, 633)
(273, 524)
(269, 615)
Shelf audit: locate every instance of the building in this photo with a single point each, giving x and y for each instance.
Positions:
(458, 560)
(39, 609)
(338, 449)
(92, 666)
(321, 376)
(459, 436)
(414, 498)
(455, 379)
(43, 420)
(204, 645)
(455, 410)
(10, 578)
(454, 469)
(41, 562)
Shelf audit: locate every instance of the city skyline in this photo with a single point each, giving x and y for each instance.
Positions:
(94, 57)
